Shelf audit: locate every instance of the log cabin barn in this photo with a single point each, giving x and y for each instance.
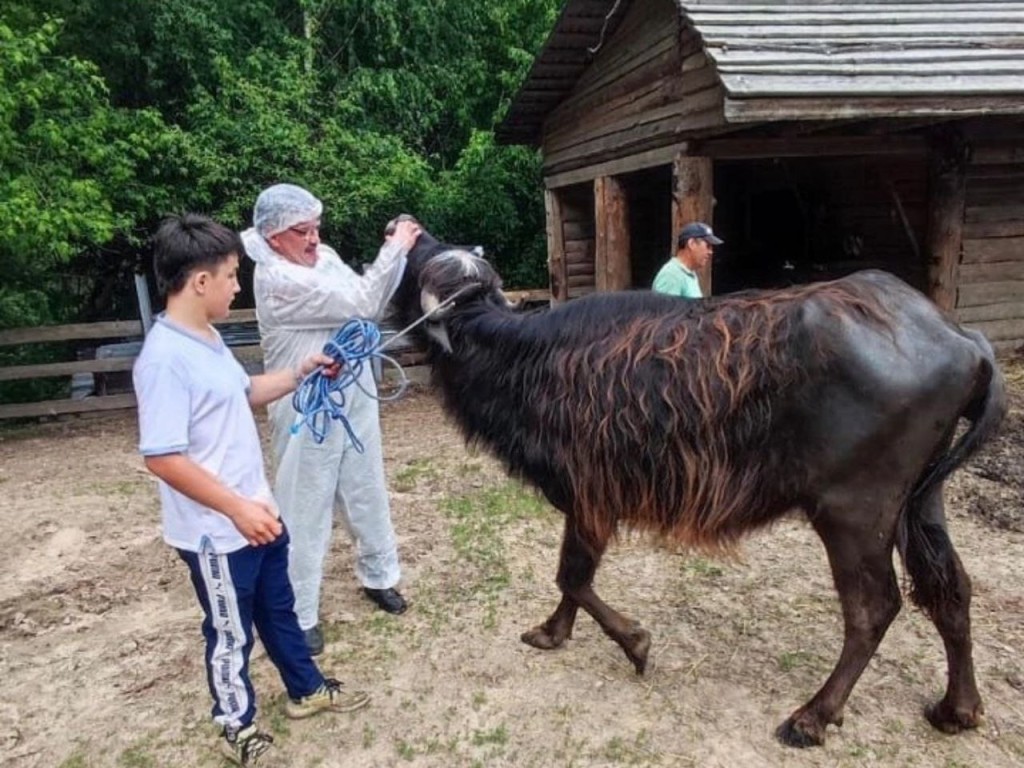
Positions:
(817, 137)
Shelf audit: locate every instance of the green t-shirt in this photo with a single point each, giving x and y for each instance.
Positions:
(676, 280)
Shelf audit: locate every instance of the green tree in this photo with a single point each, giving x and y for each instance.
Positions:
(70, 170)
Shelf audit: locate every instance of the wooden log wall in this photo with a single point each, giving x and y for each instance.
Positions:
(646, 85)
(578, 239)
(991, 281)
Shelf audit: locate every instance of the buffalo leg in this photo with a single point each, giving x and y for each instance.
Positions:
(576, 568)
(943, 590)
(870, 597)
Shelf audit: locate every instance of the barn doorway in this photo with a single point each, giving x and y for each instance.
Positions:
(798, 220)
(649, 195)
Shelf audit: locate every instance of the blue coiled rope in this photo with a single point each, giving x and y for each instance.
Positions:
(320, 399)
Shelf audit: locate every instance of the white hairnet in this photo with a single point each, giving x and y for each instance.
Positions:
(282, 206)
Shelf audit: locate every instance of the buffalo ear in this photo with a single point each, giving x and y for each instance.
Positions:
(429, 303)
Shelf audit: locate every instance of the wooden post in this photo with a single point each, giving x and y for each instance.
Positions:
(947, 196)
(611, 222)
(556, 247)
(692, 200)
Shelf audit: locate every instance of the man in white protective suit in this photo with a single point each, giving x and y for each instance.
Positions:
(304, 294)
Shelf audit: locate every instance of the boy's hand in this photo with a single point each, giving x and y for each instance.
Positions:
(318, 360)
(256, 521)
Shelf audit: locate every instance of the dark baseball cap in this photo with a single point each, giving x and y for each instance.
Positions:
(699, 230)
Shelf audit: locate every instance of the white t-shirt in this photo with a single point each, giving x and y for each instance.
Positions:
(193, 400)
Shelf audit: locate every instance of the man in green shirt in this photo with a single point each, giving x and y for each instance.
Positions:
(678, 277)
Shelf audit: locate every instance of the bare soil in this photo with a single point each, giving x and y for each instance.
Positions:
(101, 654)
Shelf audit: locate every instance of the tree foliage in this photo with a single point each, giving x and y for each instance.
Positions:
(114, 113)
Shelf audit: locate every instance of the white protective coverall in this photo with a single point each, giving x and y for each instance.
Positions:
(299, 309)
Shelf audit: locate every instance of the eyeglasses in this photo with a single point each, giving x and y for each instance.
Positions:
(306, 232)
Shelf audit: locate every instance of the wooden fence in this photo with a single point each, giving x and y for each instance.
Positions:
(122, 330)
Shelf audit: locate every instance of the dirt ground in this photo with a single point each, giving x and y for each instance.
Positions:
(101, 654)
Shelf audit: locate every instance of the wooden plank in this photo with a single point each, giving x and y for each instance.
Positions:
(652, 158)
(983, 229)
(830, 70)
(617, 137)
(904, 15)
(46, 370)
(531, 295)
(1007, 348)
(57, 407)
(978, 294)
(947, 196)
(582, 290)
(1004, 311)
(750, 110)
(753, 84)
(998, 154)
(693, 200)
(579, 250)
(993, 249)
(556, 246)
(782, 7)
(991, 271)
(581, 268)
(107, 330)
(1010, 329)
(577, 281)
(101, 330)
(611, 255)
(238, 316)
(578, 230)
(880, 29)
(992, 213)
(784, 55)
(810, 146)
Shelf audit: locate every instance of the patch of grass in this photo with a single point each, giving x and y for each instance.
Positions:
(702, 567)
(479, 699)
(369, 736)
(408, 477)
(790, 660)
(478, 522)
(275, 720)
(77, 760)
(405, 750)
(498, 735)
(137, 757)
(636, 752)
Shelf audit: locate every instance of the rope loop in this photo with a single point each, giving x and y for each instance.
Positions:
(320, 399)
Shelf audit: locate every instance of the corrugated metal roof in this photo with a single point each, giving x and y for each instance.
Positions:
(810, 49)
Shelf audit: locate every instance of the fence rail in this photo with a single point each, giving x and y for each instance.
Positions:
(127, 330)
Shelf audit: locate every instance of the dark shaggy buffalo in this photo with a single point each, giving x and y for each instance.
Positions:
(700, 421)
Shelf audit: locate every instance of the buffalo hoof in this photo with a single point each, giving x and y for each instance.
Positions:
(799, 732)
(637, 645)
(948, 719)
(541, 637)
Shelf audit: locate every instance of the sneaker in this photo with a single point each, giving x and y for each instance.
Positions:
(327, 698)
(314, 640)
(247, 746)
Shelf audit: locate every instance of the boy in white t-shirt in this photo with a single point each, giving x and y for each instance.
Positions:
(199, 437)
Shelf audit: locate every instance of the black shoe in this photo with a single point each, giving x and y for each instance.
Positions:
(389, 600)
(314, 640)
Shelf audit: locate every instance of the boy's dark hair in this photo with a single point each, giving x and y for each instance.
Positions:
(189, 242)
